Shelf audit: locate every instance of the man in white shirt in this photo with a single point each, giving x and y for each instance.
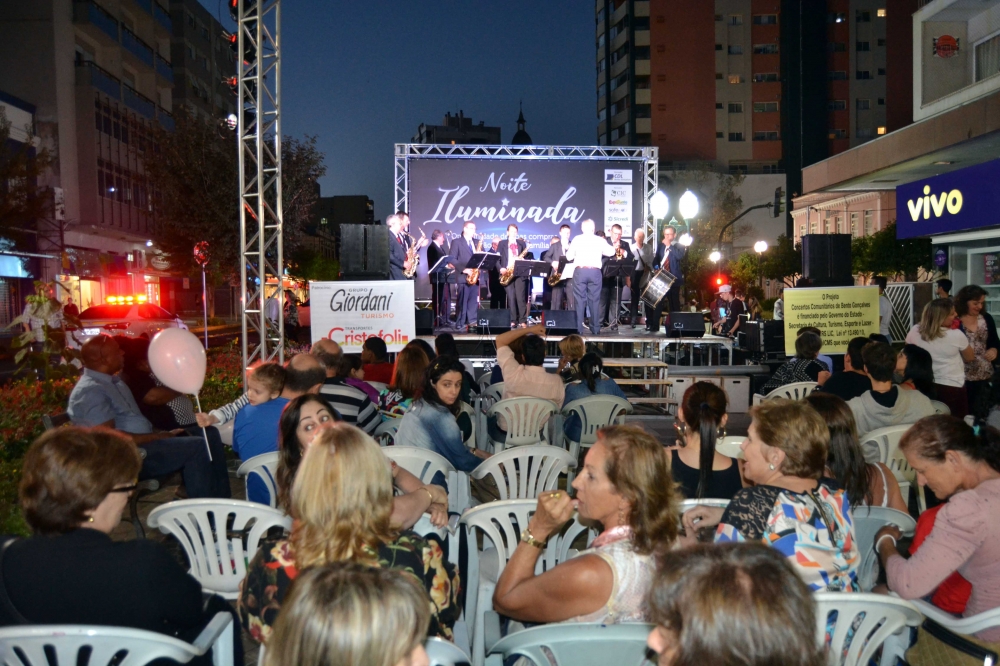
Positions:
(884, 307)
(779, 305)
(587, 251)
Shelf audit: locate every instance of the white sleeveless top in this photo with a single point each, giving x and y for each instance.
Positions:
(633, 575)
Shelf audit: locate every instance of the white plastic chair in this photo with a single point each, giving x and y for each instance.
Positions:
(883, 617)
(501, 524)
(570, 644)
(226, 431)
(424, 464)
(886, 442)
(27, 645)
(466, 408)
(264, 467)
(525, 471)
(595, 412)
(729, 446)
(488, 397)
(385, 433)
(219, 537)
(868, 520)
(940, 407)
(963, 626)
(793, 391)
(445, 653)
(524, 420)
(484, 381)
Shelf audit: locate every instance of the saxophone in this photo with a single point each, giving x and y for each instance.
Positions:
(412, 255)
(472, 279)
(507, 274)
(555, 278)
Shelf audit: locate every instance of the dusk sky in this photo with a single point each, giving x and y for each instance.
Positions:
(362, 76)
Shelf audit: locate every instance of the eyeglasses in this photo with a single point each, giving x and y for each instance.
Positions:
(126, 489)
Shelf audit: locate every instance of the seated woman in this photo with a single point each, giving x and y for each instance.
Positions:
(625, 486)
(701, 593)
(572, 349)
(407, 380)
(791, 507)
(591, 383)
(75, 484)
(362, 615)
(699, 470)
(308, 415)
(915, 370)
(803, 367)
(165, 408)
(865, 484)
(517, 346)
(342, 501)
(430, 423)
(352, 369)
(964, 468)
(445, 345)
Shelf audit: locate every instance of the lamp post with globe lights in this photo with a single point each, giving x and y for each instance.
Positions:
(659, 206)
(760, 247)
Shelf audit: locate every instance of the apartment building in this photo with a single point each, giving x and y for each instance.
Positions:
(457, 129)
(204, 61)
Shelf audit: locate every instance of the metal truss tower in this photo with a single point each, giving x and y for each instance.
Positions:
(259, 132)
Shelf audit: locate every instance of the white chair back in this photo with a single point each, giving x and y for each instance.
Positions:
(445, 653)
(940, 407)
(385, 433)
(793, 391)
(421, 463)
(264, 467)
(730, 446)
(484, 381)
(226, 431)
(525, 471)
(868, 520)
(595, 412)
(466, 408)
(219, 537)
(886, 440)
(492, 394)
(524, 419)
(866, 620)
(31, 645)
(569, 644)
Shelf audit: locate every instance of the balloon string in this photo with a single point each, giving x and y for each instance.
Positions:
(203, 431)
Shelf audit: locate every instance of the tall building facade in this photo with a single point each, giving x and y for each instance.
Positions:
(457, 129)
(204, 62)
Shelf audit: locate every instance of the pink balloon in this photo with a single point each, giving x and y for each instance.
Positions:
(177, 358)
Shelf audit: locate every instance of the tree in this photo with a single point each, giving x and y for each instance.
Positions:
(783, 261)
(883, 254)
(745, 271)
(21, 166)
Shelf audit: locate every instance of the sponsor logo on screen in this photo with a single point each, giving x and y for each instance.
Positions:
(617, 176)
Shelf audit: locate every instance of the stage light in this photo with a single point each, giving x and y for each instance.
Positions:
(688, 205)
(760, 247)
(149, 243)
(659, 205)
(715, 256)
(685, 240)
(232, 121)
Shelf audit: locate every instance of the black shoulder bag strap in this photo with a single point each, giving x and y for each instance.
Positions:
(5, 602)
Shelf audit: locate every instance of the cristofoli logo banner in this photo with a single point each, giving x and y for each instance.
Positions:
(351, 312)
(965, 199)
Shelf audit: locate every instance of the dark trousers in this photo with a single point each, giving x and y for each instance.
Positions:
(517, 300)
(979, 392)
(498, 296)
(441, 294)
(562, 295)
(587, 292)
(188, 455)
(955, 397)
(636, 294)
(467, 306)
(672, 303)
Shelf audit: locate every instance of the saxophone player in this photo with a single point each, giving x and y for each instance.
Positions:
(562, 291)
(398, 246)
(510, 250)
(467, 303)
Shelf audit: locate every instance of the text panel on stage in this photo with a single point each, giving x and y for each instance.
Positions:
(840, 313)
(350, 312)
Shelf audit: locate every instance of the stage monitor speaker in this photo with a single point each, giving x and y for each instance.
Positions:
(826, 259)
(766, 336)
(424, 321)
(686, 325)
(364, 251)
(559, 322)
(493, 322)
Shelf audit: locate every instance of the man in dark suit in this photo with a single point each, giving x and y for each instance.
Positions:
(616, 284)
(467, 304)
(509, 250)
(562, 293)
(398, 245)
(440, 287)
(498, 297)
(668, 256)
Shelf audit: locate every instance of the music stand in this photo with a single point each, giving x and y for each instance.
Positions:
(484, 261)
(529, 268)
(617, 269)
(440, 275)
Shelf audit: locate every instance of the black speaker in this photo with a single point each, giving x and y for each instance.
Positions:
(364, 251)
(493, 322)
(559, 322)
(686, 325)
(826, 259)
(765, 336)
(424, 321)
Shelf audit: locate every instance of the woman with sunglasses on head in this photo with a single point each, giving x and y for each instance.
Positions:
(699, 470)
(75, 485)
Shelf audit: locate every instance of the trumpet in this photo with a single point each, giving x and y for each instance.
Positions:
(619, 252)
(472, 278)
(412, 255)
(507, 274)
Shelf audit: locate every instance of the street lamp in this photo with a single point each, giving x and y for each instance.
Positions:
(659, 205)
(715, 256)
(760, 247)
(688, 205)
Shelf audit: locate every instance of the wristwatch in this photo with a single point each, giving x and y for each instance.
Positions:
(530, 540)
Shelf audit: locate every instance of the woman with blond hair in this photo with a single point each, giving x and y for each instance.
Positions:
(572, 348)
(949, 350)
(342, 502)
(349, 614)
(625, 486)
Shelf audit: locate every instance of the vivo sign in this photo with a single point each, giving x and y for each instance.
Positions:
(965, 199)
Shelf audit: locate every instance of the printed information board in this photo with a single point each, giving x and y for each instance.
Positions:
(350, 312)
(840, 313)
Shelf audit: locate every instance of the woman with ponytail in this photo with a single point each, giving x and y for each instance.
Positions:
(590, 369)
(698, 469)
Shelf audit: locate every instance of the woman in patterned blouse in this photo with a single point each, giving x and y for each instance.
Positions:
(792, 507)
(342, 501)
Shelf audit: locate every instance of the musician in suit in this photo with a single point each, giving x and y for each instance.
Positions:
(498, 297)
(546, 287)
(668, 256)
(562, 293)
(643, 253)
(440, 289)
(609, 286)
(510, 249)
(467, 304)
(398, 245)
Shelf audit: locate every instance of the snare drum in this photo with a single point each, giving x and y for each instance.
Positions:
(656, 291)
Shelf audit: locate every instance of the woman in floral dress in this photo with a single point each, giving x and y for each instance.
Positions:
(981, 330)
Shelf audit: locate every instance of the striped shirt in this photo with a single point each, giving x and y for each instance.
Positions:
(353, 404)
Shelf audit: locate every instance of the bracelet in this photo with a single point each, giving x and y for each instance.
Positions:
(527, 538)
(885, 536)
(429, 494)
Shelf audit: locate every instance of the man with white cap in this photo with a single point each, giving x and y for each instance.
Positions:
(720, 307)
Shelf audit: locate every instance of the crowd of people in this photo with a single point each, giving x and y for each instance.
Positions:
(352, 577)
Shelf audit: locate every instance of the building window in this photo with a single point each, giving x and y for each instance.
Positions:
(987, 58)
(720, 135)
(854, 224)
(837, 134)
(735, 19)
(837, 47)
(718, 105)
(736, 107)
(864, 104)
(862, 16)
(765, 77)
(765, 19)
(718, 47)
(836, 105)
(602, 114)
(719, 76)
(814, 227)
(881, 71)
(864, 133)
(619, 81)
(863, 46)
(863, 74)
(765, 136)
(736, 136)
(601, 90)
(802, 230)
(840, 224)
(836, 17)
(765, 107)
(601, 66)
(880, 12)
(880, 130)
(735, 78)
(735, 49)
(718, 17)
(868, 223)
(765, 49)
(881, 41)
(837, 75)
